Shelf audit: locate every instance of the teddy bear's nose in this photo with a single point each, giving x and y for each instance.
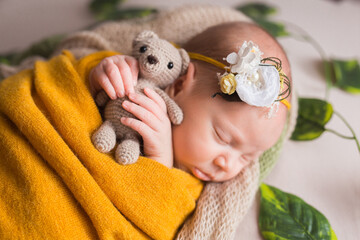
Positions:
(152, 59)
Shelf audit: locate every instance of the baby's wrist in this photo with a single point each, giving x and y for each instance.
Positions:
(165, 162)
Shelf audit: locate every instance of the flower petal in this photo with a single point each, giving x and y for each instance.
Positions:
(262, 93)
(232, 58)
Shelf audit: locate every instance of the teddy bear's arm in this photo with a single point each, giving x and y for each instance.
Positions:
(174, 111)
(101, 98)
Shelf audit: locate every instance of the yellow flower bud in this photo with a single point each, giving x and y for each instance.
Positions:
(228, 84)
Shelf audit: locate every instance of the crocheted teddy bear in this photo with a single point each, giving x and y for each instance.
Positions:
(160, 63)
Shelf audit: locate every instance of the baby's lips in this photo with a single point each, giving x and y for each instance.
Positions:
(201, 175)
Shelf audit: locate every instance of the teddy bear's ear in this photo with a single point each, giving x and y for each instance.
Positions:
(185, 60)
(144, 35)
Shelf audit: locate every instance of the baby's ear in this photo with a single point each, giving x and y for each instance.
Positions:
(184, 82)
(144, 35)
(185, 60)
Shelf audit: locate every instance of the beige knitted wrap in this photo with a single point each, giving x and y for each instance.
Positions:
(221, 206)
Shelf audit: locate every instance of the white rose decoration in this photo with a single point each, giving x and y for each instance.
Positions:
(260, 89)
(257, 85)
(247, 60)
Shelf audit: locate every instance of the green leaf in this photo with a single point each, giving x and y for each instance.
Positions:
(347, 75)
(109, 10)
(4, 60)
(286, 216)
(259, 13)
(276, 29)
(100, 6)
(313, 115)
(128, 13)
(43, 48)
(257, 10)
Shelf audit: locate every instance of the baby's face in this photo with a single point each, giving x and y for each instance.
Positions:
(217, 139)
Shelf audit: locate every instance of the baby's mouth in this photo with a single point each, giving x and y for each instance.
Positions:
(202, 175)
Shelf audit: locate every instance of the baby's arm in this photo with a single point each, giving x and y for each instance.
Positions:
(153, 125)
(117, 75)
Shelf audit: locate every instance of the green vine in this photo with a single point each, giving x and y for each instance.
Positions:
(350, 128)
(305, 36)
(308, 127)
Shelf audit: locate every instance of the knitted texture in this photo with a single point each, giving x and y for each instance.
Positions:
(221, 206)
(7, 70)
(176, 25)
(160, 63)
(56, 185)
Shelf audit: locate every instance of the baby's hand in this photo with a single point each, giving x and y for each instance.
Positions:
(117, 75)
(153, 125)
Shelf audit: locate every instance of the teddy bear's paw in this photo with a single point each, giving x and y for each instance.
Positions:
(176, 116)
(104, 139)
(103, 146)
(101, 98)
(127, 152)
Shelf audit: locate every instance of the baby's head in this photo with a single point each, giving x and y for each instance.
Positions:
(219, 136)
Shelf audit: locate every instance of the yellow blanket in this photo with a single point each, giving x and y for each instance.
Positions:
(55, 185)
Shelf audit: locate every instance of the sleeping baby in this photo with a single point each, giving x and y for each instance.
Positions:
(234, 97)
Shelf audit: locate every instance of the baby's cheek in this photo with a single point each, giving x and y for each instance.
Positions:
(193, 153)
(180, 144)
(192, 150)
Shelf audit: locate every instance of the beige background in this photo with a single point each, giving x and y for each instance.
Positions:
(324, 172)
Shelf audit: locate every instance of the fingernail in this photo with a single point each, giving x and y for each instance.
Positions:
(113, 96)
(130, 91)
(121, 94)
(132, 96)
(125, 104)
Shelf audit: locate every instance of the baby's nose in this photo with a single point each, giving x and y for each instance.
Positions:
(152, 59)
(221, 163)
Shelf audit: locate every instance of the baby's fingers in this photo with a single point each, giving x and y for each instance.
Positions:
(99, 80)
(144, 130)
(156, 106)
(156, 98)
(143, 114)
(113, 73)
(134, 72)
(125, 74)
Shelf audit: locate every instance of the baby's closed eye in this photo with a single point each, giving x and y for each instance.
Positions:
(220, 136)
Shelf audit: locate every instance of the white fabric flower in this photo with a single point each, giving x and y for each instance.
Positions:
(259, 89)
(256, 85)
(247, 60)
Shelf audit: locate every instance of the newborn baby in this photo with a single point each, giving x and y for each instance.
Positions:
(222, 130)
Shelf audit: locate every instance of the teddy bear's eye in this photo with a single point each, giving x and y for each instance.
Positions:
(170, 65)
(143, 49)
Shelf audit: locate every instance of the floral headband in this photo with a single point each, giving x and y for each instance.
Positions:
(255, 82)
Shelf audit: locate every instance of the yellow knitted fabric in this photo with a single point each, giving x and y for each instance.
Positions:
(55, 185)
